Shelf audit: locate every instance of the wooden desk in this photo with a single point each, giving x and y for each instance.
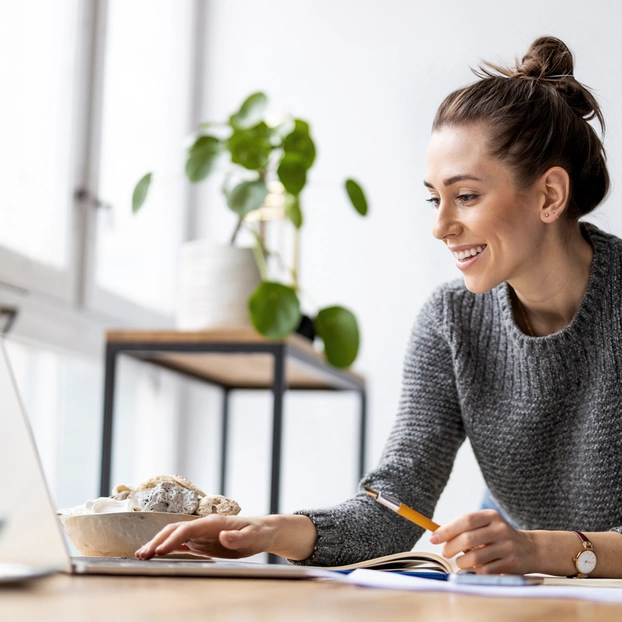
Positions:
(112, 599)
(233, 359)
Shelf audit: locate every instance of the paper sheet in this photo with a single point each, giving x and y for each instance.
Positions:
(394, 581)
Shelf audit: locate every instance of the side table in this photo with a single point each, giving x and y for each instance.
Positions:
(233, 359)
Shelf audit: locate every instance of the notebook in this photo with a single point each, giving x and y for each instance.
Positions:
(407, 561)
(32, 543)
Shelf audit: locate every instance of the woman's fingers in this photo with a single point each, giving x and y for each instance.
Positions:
(467, 522)
(184, 533)
(479, 538)
(489, 543)
(147, 551)
(173, 536)
(466, 532)
(483, 556)
(216, 536)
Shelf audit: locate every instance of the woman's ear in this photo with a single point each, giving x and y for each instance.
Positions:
(555, 188)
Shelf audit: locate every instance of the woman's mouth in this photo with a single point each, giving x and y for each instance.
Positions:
(467, 257)
(467, 254)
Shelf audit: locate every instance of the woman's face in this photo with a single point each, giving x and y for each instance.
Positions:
(492, 228)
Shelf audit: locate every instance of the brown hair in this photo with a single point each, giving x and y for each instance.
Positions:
(537, 114)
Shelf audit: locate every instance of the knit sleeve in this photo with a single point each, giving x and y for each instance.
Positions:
(416, 461)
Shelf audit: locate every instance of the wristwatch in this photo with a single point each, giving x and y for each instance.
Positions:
(585, 560)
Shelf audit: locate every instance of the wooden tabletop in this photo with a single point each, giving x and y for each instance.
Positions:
(305, 366)
(112, 599)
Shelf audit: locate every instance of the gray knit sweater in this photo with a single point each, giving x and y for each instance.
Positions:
(543, 414)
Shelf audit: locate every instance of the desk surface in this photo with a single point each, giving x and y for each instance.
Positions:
(305, 367)
(68, 599)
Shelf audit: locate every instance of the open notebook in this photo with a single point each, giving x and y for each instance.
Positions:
(425, 562)
(31, 539)
(420, 561)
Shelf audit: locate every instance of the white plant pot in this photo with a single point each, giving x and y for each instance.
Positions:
(215, 284)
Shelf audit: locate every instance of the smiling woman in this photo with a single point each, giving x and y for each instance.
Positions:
(523, 356)
(501, 231)
(504, 157)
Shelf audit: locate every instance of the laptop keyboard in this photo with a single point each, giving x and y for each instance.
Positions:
(126, 562)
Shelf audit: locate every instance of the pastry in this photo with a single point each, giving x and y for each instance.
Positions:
(168, 497)
(217, 504)
(176, 479)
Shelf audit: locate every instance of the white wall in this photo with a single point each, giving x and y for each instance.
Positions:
(369, 76)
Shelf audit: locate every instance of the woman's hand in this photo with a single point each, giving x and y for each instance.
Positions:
(232, 537)
(489, 543)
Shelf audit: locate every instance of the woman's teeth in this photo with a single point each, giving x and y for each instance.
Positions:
(471, 252)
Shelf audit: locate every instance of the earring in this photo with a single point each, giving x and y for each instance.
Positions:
(546, 215)
(556, 216)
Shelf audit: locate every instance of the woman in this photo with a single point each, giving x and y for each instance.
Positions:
(523, 357)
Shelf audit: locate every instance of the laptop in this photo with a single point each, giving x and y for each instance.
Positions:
(32, 543)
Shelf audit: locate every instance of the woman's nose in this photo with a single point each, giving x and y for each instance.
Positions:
(445, 223)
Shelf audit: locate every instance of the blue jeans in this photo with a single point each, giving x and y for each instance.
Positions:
(489, 503)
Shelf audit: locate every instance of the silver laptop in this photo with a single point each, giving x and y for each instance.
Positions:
(32, 543)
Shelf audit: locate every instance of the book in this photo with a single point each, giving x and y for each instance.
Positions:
(576, 582)
(406, 561)
(424, 562)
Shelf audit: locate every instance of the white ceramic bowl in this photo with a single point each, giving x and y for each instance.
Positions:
(116, 534)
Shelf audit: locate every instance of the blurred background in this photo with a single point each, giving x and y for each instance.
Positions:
(96, 93)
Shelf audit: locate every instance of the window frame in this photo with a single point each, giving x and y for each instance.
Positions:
(93, 297)
(52, 304)
(21, 271)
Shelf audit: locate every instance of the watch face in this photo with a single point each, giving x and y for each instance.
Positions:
(586, 562)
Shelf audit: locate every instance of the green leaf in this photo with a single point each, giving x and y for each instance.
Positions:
(140, 192)
(274, 310)
(357, 196)
(202, 157)
(205, 143)
(247, 196)
(292, 173)
(279, 132)
(339, 331)
(250, 113)
(300, 142)
(251, 148)
(199, 166)
(293, 211)
(302, 126)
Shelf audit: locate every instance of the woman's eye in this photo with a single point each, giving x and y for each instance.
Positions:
(466, 198)
(433, 201)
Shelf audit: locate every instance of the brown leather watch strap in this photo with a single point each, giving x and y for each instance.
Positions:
(582, 537)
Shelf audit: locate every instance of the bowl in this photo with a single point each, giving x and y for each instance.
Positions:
(116, 534)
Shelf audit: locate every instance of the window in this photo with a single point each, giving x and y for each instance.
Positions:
(102, 92)
(38, 71)
(147, 101)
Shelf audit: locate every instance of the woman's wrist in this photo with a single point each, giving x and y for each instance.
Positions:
(553, 552)
(293, 536)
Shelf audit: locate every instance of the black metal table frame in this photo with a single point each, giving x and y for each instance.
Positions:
(341, 381)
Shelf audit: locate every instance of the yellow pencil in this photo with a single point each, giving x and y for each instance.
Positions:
(403, 510)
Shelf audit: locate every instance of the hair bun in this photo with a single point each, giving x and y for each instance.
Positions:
(547, 57)
(549, 60)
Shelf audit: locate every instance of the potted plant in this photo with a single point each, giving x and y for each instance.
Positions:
(258, 157)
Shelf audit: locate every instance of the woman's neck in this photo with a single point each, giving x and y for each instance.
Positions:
(546, 302)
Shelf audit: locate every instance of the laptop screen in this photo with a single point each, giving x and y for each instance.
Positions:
(31, 533)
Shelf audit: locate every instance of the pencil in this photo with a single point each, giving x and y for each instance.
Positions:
(403, 510)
